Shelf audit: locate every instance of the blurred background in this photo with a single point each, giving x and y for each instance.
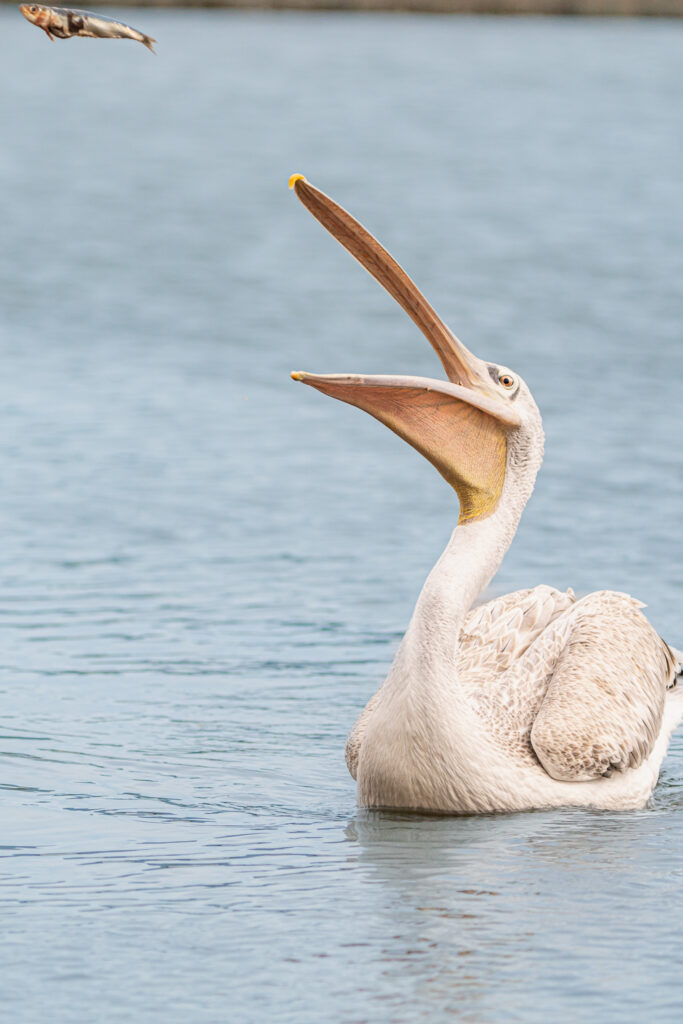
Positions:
(206, 568)
(562, 8)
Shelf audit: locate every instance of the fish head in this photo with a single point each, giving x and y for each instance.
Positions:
(36, 14)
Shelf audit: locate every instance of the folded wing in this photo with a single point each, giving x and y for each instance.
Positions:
(603, 706)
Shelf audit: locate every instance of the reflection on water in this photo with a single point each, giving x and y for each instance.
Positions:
(206, 570)
(519, 916)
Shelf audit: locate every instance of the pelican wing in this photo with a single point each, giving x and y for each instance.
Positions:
(603, 706)
(582, 691)
(496, 634)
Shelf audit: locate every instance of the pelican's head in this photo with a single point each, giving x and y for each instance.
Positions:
(476, 428)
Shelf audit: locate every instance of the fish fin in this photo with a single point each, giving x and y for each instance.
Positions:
(147, 41)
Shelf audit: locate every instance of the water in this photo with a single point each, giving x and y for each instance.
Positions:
(206, 568)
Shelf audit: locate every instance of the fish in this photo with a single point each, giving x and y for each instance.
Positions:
(63, 23)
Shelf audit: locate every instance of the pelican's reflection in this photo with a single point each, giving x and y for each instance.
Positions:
(447, 901)
(472, 910)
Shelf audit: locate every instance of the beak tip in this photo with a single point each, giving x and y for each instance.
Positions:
(294, 178)
(296, 375)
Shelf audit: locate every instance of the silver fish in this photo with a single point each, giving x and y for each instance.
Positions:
(63, 23)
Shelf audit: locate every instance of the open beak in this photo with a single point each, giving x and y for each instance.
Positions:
(461, 425)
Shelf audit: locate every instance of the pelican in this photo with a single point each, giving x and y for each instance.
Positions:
(536, 699)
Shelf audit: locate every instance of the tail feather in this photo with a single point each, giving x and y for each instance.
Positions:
(676, 662)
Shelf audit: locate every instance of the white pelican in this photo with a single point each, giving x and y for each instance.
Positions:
(535, 699)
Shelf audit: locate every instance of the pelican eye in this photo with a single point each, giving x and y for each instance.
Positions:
(507, 380)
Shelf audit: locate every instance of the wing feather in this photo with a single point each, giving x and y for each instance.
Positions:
(495, 635)
(602, 710)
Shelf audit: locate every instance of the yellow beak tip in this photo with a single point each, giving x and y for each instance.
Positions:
(294, 178)
(296, 375)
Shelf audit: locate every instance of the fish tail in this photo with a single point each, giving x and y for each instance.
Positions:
(147, 41)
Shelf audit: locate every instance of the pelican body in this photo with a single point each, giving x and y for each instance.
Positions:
(536, 699)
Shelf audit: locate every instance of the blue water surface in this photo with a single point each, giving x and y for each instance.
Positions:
(205, 569)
